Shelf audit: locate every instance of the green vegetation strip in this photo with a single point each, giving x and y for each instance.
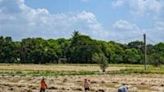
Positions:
(128, 70)
(47, 73)
(137, 71)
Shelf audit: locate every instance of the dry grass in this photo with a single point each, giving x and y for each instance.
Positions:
(60, 67)
(74, 83)
(108, 83)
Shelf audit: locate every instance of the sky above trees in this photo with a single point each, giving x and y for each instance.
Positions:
(118, 20)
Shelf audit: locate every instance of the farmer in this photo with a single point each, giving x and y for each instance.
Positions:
(43, 85)
(123, 88)
(86, 85)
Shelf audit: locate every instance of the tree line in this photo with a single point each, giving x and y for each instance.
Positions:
(78, 49)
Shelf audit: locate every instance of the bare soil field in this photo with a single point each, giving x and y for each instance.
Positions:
(74, 83)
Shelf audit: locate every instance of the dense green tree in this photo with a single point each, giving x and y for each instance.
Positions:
(7, 50)
(156, 60)
(132, 56)
(36, 50)
(117, 53)
(78, 49)
(156, 57)
(136, 44)
(81, 49)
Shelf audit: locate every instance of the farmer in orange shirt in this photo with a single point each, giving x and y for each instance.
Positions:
(43, 85)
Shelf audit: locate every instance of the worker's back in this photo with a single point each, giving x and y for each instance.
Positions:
(123, 89)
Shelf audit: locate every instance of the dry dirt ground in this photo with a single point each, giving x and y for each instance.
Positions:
(99, 83)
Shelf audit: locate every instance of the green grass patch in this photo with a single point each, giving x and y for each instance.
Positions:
(150, 70)
(46, 73)
(129, 69)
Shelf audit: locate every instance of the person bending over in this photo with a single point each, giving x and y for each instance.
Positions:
(123, 88)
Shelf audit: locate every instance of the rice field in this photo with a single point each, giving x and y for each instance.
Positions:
(69, 78)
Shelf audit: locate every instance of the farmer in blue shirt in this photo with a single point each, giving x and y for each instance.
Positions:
(123, 88)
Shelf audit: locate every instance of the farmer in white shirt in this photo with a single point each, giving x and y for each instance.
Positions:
(86, 85)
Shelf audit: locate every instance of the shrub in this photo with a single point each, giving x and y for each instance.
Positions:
(102, 61)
